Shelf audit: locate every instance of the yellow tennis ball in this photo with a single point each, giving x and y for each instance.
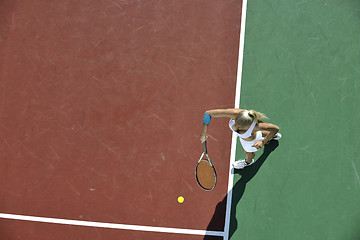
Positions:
(181, 199)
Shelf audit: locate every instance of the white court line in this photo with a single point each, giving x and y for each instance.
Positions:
(110, 225)
(237, 105)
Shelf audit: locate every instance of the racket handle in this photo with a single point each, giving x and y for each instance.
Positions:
(205, 147)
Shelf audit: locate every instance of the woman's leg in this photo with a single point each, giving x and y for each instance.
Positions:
(249, 156)
(245, 162)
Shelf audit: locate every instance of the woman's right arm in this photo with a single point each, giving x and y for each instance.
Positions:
(230, 113)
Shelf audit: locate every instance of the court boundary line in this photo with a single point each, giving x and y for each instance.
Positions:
(110, 225)
(236, 105)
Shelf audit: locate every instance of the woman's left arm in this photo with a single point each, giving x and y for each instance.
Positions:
(271, 128)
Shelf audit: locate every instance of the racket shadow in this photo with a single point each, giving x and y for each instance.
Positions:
(238, 191)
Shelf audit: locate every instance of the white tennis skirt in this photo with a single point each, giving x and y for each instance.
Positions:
(248, 146)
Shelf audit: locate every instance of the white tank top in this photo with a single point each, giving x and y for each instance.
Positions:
(244, 135)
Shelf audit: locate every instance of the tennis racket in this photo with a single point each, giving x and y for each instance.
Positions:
(205, 171)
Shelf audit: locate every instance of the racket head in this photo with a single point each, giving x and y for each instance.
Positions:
(205, 174)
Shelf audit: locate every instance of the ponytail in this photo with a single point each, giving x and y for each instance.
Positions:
(257, 115)
(245, 117)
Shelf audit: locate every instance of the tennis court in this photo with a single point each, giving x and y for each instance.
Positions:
(101, 111)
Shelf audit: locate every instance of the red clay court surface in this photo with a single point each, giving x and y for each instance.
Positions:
(101, 106)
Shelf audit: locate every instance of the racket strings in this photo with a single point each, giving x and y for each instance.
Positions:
(206, 175)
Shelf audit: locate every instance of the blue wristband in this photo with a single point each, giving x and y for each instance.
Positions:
(207, 119)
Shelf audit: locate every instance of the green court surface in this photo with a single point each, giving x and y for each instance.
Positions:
(302, 69)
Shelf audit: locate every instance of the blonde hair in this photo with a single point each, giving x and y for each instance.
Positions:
(245, 117)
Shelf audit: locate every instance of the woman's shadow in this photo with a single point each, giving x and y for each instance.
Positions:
(237, 192)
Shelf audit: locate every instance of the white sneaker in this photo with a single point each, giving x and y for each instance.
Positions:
(277, 136)
(241, 164)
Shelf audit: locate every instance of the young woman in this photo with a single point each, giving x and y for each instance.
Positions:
(249, 127)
